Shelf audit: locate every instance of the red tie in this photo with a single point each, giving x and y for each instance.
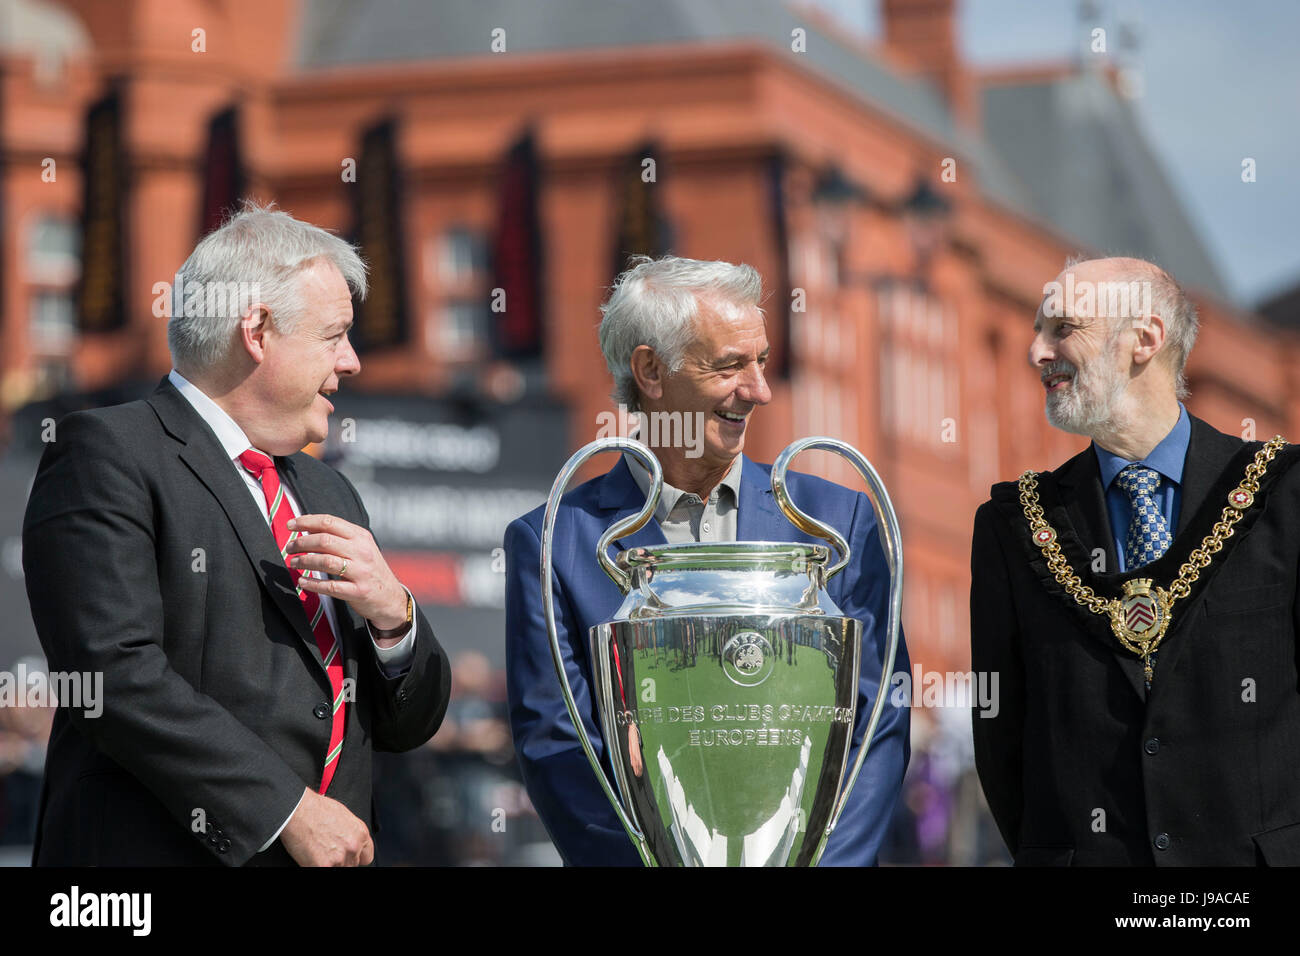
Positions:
(263, 469)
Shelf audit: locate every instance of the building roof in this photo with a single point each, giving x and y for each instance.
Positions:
(1112, 196)
(342, 33)
(1078, 150)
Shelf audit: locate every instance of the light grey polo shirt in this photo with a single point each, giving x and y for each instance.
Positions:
(685, 517)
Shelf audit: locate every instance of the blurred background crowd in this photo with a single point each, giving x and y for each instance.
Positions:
(905, 174)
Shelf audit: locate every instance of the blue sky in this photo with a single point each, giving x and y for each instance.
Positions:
(1221, 82)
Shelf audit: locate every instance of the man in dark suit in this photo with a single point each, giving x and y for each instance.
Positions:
(254, 645)
(1149, 712)
(684, 340)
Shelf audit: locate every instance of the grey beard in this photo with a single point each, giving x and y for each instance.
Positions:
(1089, 409)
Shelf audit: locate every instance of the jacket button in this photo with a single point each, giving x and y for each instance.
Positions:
(212, 840)
(322, 711)
(223, 846)
(1152, 746)
(1162, 841)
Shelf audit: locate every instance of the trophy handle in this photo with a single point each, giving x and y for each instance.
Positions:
(890, 541)
(629, 525)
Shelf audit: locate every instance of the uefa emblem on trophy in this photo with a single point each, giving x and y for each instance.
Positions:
(740, 756)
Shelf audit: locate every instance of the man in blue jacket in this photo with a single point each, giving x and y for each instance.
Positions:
(686, 344)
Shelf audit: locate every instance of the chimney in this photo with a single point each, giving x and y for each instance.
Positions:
(923, 33)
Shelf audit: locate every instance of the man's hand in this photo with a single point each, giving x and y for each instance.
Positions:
(323, 832)
(330, 544)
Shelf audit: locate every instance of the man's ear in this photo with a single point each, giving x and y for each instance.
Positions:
(254, 328)
(1148, 338)
(649, 372)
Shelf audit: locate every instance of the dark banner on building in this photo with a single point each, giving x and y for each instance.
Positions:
(223, 171)
(778, 311)
(382, 320)
(101, 295)
(641, 227)
(517, 326)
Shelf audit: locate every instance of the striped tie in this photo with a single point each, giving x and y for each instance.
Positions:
(263, 469)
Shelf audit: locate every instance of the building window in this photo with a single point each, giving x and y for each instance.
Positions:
(463, 258)
(53, 252)
(920, 373)
(52, 265)
(53, 323)
(464, 329)
(457, 278)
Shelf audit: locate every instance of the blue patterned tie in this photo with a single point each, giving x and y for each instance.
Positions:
(1148, 534)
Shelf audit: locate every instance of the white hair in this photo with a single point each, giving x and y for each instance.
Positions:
(255, 255)
(656, 302)
(1170, 302)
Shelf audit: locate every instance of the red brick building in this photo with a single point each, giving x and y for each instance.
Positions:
(779, 140)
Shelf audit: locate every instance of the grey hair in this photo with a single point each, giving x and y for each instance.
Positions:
(1170, 302)
(255, 255)
(656, 302)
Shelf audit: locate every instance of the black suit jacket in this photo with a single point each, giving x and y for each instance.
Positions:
(1080, 764)
(148, 561)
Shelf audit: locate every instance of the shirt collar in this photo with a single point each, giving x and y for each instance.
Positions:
(232, 438)
(669, 497)
(1167, 457)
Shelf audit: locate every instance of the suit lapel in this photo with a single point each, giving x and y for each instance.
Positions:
(204, 456)
(759, 517)
(1082, 522)
(1207, 450)
(620, 496)
(1085, 516)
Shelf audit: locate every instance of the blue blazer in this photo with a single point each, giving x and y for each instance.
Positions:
(560, 782)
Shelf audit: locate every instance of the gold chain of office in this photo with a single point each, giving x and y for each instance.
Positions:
(1140, 617)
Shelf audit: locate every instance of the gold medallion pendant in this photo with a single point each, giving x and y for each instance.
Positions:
(1140, 617)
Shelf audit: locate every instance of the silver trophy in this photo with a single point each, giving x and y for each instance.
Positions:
(727, 683)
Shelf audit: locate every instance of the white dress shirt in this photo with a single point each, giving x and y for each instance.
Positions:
(393, 661)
